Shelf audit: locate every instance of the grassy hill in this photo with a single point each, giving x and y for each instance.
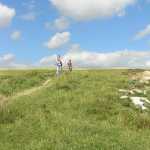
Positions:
(17, 80)
(79, 111)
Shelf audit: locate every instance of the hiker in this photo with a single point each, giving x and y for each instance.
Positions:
(69, 65)
(59, 65)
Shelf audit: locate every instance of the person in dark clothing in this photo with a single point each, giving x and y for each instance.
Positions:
(69, 65)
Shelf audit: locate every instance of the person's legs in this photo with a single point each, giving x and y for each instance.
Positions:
(70, 68)
(59, 70)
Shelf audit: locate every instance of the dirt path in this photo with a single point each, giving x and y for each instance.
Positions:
(26, 92)
(32, 90)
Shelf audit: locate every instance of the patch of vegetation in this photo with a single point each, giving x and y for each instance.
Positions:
(9, 116)
(78, 111)
(16, 81)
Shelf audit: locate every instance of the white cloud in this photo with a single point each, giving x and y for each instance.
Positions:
(9, 61)
(30, 5)
(30, 16)
(121, 58)
(31, 12)
(91, 9)
(61, 23)
(148, 63)
(8, 58)
(85, 58)
(58, 40)
(48, 60)
(143, 33)
(16, 35)
(6, 15)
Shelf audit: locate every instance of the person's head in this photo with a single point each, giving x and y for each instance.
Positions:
(69, 60)
(58, 57)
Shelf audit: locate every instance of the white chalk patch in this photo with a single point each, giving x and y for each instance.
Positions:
(123, 91)
(131, 92)
(126, 91)
(145, 78)
(137, 101)
(138, 91)
(145, 99)
(146, 73)
(144, 81)
(124, 97)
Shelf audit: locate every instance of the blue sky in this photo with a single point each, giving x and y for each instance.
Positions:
(40, 29)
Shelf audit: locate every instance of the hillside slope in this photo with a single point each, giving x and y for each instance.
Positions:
(79, 111)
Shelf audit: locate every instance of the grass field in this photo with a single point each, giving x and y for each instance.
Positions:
(17, 80)
(78, 111)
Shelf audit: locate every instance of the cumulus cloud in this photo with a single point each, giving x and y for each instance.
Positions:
(16, 35)
(85, 58)
(61, 23)
(91, 9)
(6, 15)
(58, 40)
(9, 61)
(143, 33)
(6, 60)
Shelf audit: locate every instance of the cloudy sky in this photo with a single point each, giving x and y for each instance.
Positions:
(93, 33)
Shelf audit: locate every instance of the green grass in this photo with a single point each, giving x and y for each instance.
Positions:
(15, 81)
(79, 111)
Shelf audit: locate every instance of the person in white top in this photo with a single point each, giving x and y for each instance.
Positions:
(58, 65)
